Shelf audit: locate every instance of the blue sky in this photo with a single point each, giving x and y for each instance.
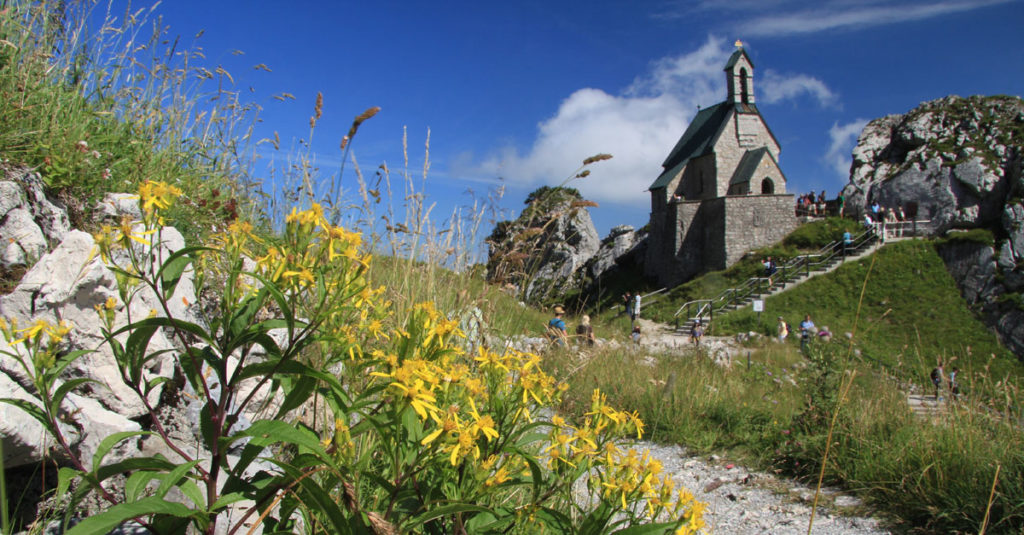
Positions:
(517, 94)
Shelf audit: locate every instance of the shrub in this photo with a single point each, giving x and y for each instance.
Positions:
(411, 433)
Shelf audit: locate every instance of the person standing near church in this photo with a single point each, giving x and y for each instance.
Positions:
(636, 306)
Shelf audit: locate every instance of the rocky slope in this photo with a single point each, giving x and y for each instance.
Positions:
(957, 162)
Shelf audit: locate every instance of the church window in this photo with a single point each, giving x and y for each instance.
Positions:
(744, 95)
(767, 187)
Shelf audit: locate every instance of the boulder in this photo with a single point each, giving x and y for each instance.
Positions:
(68, 283)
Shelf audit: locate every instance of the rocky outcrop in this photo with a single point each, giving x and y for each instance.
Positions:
(954, 160)
(622, 243)
(957, 162)
(29, 221)
(65, 284)
(543, 252)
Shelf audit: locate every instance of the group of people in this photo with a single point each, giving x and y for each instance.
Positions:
(938, 377)
(558, 333)
(885, 221)
(811, 204)
(808, 331)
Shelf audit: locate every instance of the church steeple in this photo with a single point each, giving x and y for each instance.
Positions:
(739, 76)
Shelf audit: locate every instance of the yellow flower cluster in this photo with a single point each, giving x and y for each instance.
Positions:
(42, 339)
(156, 196)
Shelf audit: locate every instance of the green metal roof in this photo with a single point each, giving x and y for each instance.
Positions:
(698, 140)
(747, 166)
(736, 57)
(666, 177)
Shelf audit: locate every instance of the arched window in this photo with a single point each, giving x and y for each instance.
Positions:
(767, 187)
(744, 95)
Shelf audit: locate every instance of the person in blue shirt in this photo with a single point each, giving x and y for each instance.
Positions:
(556, 327)
(847, 243)
(806, 330)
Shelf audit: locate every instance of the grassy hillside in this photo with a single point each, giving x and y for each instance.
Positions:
(910, 317)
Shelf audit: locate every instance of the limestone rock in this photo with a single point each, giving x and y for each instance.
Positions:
(957, 162)
(621, 241)
(544, 250)
(29, 221)
(115, 205)
(66, 284)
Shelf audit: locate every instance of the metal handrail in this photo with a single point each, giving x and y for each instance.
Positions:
(801, 266)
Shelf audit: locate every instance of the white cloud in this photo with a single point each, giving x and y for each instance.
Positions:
(841, 14)
(778, 87)
(638, 127)
(843, 138)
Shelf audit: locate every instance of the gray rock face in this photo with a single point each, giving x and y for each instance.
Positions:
(620, 242)
(544, 251)
(959, 162)
(29, 221)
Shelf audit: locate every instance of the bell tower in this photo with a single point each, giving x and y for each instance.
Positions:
(739, 76)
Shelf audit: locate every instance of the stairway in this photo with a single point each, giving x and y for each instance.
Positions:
(865, 247)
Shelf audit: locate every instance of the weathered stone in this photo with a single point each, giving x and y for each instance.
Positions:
(23, 240)
(973, 266)
(115, 205)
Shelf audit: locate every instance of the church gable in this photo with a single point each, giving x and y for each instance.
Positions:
(757, 173)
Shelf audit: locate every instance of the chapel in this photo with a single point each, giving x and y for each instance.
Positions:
(721, 192)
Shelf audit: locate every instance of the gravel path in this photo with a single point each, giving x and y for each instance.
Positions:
(741, 501)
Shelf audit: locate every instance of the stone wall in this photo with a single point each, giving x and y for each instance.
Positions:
(714, 234)
(755, 221)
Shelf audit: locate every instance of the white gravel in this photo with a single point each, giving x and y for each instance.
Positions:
(741, 501)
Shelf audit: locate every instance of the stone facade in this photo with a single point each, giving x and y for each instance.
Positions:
(721, 192)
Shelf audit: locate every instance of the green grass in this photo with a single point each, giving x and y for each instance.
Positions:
(774, 415)
(912, 314)
(807, 238)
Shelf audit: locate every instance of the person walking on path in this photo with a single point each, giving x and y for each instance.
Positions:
(556, 327)
(847, 243)
(585, 331)
(807, 329)
(696, 333)
(636, 307)
(938, 378)
(954, 387)
(783, 329)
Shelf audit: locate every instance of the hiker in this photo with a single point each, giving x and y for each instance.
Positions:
(635, 335)
(868, 223)
(806, 330)
(628, 299)
(696, 333)
(847, 243)
(954, 387)
(769, 269)
(937, 379)
(841, 203)
(636, 306)
(585, 331)
(556, 327)
(783, 329)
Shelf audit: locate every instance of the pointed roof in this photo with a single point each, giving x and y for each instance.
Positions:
(698, 140)
(748, 165)
(736, 57)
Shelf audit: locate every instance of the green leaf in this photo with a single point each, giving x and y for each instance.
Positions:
(64, 478)
(136, 484)
(108, 444)
(32, 409)
(227, 500)
(314, 496)
(172, 478)
(63, 361)
(102, 523)
(64, 389)
(244, 314)
(170, 272)
(445, 510)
